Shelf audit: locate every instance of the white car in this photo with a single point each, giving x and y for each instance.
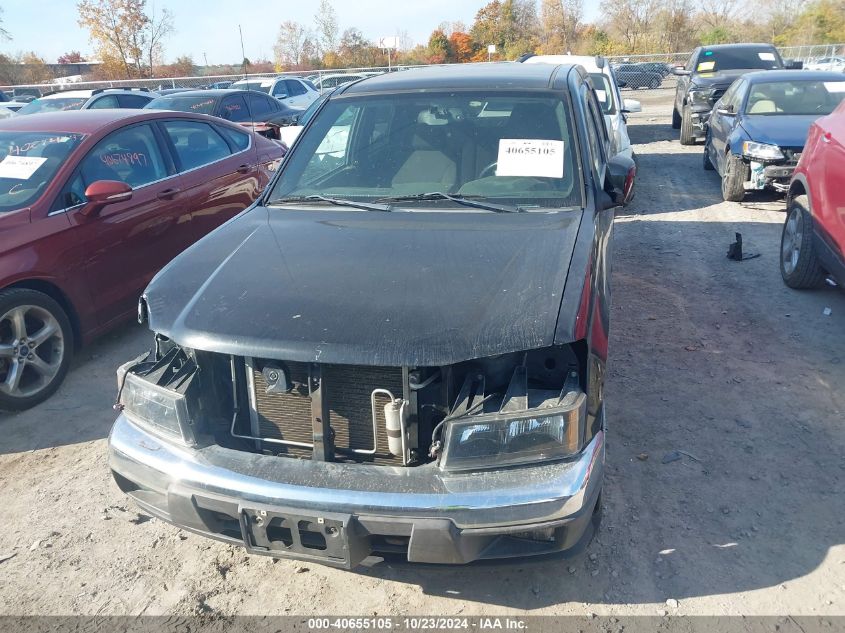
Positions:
(89, 99)
(292, 91)
(613, 105)
(326, 82)
(836, 64)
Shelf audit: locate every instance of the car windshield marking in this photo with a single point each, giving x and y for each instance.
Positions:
(469, 201)
(338, 201)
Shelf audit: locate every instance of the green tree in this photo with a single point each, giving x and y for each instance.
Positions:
(439, 48)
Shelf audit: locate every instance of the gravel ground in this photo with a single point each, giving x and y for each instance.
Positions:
(713, 362)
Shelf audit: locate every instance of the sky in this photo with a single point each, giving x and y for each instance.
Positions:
(208, 29)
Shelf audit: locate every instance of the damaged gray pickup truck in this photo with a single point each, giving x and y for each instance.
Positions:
(401, 347)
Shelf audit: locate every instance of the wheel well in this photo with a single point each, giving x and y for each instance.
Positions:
(55, 293)
(795, 190)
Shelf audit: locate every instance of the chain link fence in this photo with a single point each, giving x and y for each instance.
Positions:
(634, 72)
(322, 80)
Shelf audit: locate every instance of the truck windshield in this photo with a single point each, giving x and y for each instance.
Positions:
(713, 61)
(28, 162)
(514, 148)
(795, 97)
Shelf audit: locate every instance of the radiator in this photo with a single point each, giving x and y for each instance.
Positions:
(347, 388)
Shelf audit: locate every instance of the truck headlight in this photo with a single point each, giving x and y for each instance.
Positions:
(699, 96)
(497, 440)
(762, 151)
(164, 409)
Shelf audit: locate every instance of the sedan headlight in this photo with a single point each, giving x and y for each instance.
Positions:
(162, 408)
(497, 440)
(761, 151)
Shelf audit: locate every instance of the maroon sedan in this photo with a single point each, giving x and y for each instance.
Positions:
(92, 205)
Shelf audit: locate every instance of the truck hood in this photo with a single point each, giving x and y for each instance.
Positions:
(721, 79)
(364, 287)
(784, 130)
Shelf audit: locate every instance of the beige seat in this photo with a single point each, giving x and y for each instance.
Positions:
(763, 106)
(427, 168)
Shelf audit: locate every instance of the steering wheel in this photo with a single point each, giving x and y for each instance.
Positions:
(488, 171)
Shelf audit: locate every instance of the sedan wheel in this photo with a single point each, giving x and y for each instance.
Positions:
(35, 346)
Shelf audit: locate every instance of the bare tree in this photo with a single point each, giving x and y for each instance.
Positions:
(4, 34)
(290, 44)
(158, 28)
(326, 27)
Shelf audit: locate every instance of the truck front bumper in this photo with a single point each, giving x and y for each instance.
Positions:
(338, 514)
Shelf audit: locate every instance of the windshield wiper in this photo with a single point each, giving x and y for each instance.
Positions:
(341, 202)
(469, 201)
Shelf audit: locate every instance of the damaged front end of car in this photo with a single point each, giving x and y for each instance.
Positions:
(485, 458)
(769, 166)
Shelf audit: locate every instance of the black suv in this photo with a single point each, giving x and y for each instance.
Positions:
(401, 346)
(708, 73)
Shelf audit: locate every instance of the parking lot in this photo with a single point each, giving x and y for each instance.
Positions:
(726, 454)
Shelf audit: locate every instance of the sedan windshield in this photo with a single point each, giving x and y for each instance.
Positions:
(53, 105)
(795, 97)
(201, 104)
(514, 148)
(28, 162)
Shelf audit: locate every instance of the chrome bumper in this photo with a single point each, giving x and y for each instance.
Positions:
(439, 517)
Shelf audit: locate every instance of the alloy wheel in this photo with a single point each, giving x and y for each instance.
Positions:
(32, 348)
(793, 234)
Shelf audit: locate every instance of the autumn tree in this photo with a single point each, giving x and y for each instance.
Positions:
(439, 48)
(73, 57)
(34, 69)
(355, 50)
(124, 34)
(463, 46)
(560, 22)
(821, 22)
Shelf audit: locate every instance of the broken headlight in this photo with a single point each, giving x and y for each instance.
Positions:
(699, 96)
(761, 151)
(154, 394)
(501, 439)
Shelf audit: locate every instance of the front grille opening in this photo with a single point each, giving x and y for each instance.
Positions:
(278, 531)
(310, 537)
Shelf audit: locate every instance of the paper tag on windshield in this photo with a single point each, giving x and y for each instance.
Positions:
(537, 158)
(602, 95)
(835, 86)
(703, 67)
(766, 57)
(20, 167)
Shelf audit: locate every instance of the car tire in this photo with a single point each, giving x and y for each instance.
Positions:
(687, 133)
(799, 265)
(707, 164)
(655, 84)
(676, 119)
(32, 322)
(736, 173)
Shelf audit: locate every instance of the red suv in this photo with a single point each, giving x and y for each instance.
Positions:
(813, 240)
(92, 204)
